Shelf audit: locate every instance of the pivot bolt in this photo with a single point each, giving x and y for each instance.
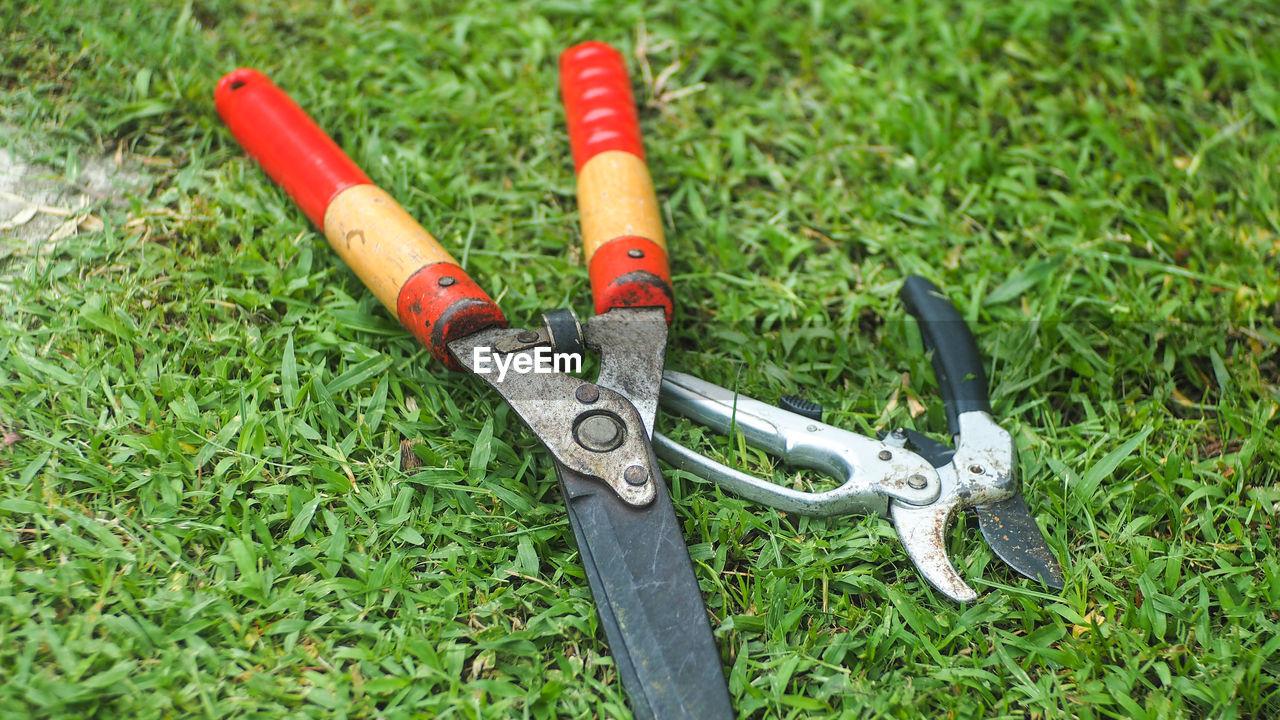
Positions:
(977, 469)
(635, 475)
(917, 482)
(599, 433)
(527, 336)
(885, 455)
(587, 394)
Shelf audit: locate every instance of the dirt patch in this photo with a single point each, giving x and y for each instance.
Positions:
(41, 206)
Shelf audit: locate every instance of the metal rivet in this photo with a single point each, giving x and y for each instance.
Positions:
(917, 482)
(899, 434)
(446, 281)
(885, 455)
(976, 469)
(635, 475)
(527, 336)
(587, 393)
(636, 253)
(599, 433)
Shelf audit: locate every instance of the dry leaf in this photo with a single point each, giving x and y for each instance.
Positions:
(90, 223)
(23, 217)
(65, 230)
(914, 406)
(892, 404)
(409, 460)
(1093, 619)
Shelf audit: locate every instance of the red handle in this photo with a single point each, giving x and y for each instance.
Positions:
(288, 144)
(404, 266)
(621, 227)
(598, 104)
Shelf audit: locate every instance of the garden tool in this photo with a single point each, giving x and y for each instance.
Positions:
(916, 481)
(598, 433)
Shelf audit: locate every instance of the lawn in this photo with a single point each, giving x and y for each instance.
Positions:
(202, 510)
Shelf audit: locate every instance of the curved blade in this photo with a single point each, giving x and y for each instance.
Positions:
(649, 601)
(1015, 537)
(921, 528)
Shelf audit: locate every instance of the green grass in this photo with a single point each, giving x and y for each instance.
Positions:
(204, 516)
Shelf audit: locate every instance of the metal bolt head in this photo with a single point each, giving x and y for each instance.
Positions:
(446, 281)
(977, 469)
(899, 434)
(885, 455)
(587, 394)
(599, 433)
(635, 475)
(917, 482)
(527, 336)
(635, 253)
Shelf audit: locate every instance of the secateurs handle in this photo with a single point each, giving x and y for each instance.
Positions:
(961, 379)
(405, 267)
(621, 228)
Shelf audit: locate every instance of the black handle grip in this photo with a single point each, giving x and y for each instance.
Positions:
(956, 361)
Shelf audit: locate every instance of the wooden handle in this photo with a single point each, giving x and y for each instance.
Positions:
(404, 266)
(621, 227)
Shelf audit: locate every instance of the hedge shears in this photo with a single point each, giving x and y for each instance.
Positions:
(916, 481)
(598, 433)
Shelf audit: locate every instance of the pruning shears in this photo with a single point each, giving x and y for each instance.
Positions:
(598, 433)
(918, 482)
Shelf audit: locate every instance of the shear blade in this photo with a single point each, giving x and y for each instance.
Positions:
(1015, 537)
(648, 600)
(922, 530)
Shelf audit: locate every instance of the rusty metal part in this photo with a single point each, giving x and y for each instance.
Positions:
(632, 343)
(600, 432)
(520, 340)
(548, 404)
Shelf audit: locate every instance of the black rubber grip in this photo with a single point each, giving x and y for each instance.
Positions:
(800, 406)
(956, 361)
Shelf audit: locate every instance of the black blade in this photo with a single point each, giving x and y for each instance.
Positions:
(1015, 537)
(649, 602)
(1008, 526)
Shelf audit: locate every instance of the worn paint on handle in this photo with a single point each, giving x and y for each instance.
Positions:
(622, 237)
(405, 267)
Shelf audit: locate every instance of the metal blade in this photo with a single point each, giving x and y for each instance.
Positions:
(922, 529)
(633, 344)
(1015, 537)
(649, 602)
